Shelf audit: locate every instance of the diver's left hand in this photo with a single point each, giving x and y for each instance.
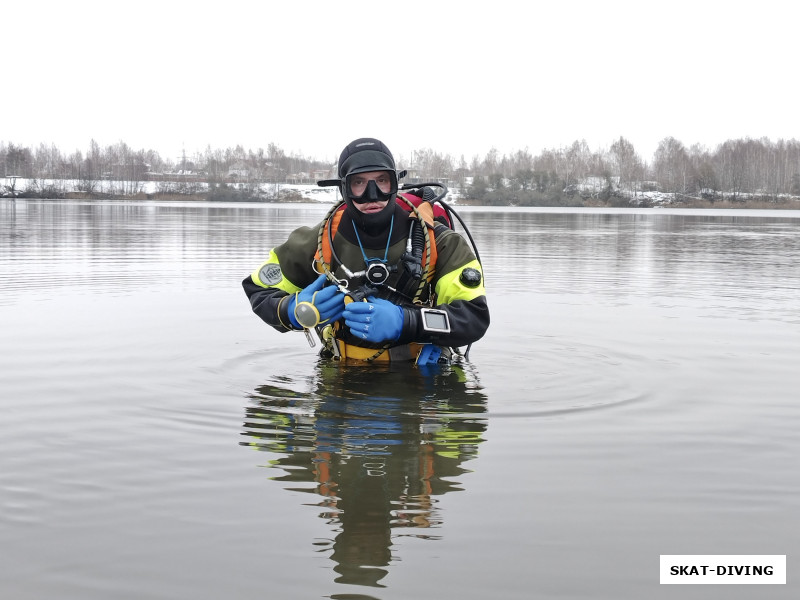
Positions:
(375, 321)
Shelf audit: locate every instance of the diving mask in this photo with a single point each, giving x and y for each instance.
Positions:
(372, 186)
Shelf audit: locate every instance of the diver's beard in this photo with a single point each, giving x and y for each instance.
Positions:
(372, 223)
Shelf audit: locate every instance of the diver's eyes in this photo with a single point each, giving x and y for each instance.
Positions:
(358, 185)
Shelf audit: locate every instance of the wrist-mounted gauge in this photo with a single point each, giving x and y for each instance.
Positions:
(435, 320)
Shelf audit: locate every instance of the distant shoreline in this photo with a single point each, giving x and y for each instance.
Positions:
(694, 203)
(591, 197)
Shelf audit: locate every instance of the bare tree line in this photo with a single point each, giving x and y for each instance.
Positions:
(121, 162)
(735, 168)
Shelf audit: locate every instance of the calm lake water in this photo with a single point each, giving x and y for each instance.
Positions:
(636, 395)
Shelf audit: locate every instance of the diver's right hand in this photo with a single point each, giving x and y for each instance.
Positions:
(328, 301)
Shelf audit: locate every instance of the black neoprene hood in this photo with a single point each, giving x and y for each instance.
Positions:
(360, 156)
(363, 155)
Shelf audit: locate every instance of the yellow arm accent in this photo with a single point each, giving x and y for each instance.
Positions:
(273, 273)
(450, 288)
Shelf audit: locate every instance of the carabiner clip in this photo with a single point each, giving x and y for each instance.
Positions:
(339, 283)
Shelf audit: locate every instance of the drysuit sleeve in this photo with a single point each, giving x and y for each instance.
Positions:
(459, 291)
(286, 271)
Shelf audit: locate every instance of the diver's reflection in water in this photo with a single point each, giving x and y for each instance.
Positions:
(376, 442)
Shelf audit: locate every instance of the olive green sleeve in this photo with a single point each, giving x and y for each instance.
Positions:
(286, 271)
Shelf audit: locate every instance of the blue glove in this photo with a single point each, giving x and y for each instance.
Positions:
(375, 321)
(328, 301)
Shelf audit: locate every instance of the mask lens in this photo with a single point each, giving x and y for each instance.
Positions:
(372, 186)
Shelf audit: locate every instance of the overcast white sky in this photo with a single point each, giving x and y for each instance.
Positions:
(459, 77)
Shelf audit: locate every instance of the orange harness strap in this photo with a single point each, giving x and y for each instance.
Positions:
(425, 210)
(333, 226)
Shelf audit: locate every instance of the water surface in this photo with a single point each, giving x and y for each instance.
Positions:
(636, 395)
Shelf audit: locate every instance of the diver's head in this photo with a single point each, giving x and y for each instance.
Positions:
(368, 180)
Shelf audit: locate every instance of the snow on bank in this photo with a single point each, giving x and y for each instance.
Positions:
(58, 187)
(61, 187)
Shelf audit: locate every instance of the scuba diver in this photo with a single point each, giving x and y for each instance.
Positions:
(383, 278)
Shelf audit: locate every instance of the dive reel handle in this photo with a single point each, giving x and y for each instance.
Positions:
(360, 294)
